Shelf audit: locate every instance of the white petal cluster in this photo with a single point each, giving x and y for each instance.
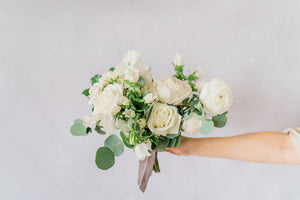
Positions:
(142, 150)
(178, 61)
(216, 96)
(192, 125)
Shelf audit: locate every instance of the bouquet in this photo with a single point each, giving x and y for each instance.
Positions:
(149, 114)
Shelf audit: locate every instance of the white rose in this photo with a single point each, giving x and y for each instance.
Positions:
(199, 73)
(142, 150)
(199, 85)
(172, 90)
(129, 113)
(109, 100)
(131, 58)
(109, 125)
(94, 93)
(132, 74)
(178, 61)
(142, 123)
(192, 125)
(164, 120)
(216, 96)
(90, 121)
(149, 98)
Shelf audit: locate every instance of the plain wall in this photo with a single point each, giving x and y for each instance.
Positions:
(50, 49)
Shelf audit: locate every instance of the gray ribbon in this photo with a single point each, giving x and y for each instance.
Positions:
(145, 170)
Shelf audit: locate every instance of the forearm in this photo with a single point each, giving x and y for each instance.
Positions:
(270, 147)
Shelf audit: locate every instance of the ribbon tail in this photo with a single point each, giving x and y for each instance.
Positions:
(145, 170)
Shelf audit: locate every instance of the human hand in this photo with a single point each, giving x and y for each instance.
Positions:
(184, 148)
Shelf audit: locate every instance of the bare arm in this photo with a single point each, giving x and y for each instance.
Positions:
(267, 147)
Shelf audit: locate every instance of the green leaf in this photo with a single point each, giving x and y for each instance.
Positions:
(185, 101)
(178, 140)
(125, 140)
(187, 115)
(148, 112)
(172, 142)
(115, 144)
(207, 126)
(112, 69)
(141, 81)
(95, 79)
(171, 136)
(98, 129)
(86, 92)
(220, 120)
(198, 106)
(78, 121)
(78, 130)
(105, 158)
(164, 144)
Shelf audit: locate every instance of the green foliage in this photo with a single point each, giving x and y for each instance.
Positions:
(95, 79)
(78, 129)
(114, 144)
(189, 106)
(178, 140)
(164, 144)
(207, 126)
(99, 130)
(179, 73)
(86, 92)
(112, 69)
(125, 140)
(220, 120)
(105, 158)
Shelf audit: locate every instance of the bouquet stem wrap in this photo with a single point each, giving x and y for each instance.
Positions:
(145, 170)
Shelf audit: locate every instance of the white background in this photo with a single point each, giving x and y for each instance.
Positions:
(50, 49)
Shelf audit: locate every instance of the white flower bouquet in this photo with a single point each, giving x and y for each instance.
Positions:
(150, 114)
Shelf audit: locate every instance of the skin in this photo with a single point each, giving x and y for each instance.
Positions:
(262, 147)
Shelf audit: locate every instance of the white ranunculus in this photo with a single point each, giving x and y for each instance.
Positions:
(192, 125)
(142, 150)
(132, 74)
(142, 123)
(199, 85)
(131, 58)
(109, 125)
(164, 119)
(178, 61)
(216, 96)
(172, 90)
(106, 78)
(90, 120)
(94, 93)
(121, 125)
(129, 113)
(199, 73)
(150, 98)
(146, 73)
(109, 100)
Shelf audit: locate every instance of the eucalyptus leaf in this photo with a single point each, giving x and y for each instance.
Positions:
(114, 144)
(78, 130)
(78, 121)
(178, 140)
(164, 144)
(187, 115)
(207, 126)
(220, 120)
(172, 142)
(171, 136)
(125, 140)
(105, 158)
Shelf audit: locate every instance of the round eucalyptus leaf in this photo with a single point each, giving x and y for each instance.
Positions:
(178, 140)
(114, 144)
(207, 126)
(220, 120)
(172, 142)
(78, 121)
(78, 130)
(163, 146)
(105, 158)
